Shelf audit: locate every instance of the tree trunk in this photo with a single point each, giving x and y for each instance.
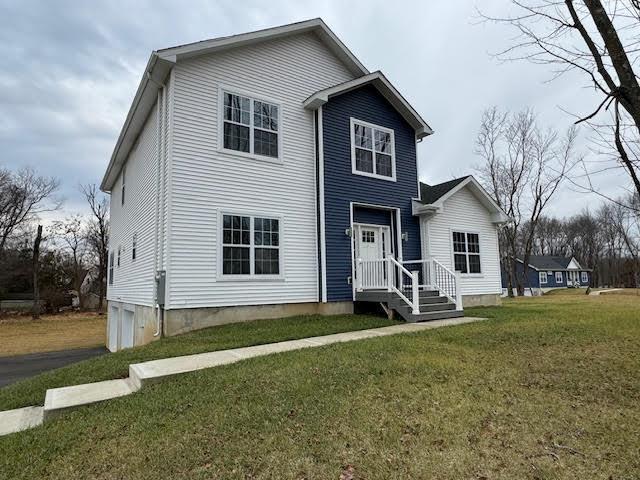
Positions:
(101, 285)
(36, 271)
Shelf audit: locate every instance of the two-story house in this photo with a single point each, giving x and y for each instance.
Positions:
(270, 174)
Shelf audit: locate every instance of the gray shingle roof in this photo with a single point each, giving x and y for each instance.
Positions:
(547, 262)
(431, 193)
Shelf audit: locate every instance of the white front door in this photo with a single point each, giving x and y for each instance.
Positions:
(372, 244)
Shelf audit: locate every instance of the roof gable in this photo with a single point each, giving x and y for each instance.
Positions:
(432, 197)
(162, 61)
(388, 91)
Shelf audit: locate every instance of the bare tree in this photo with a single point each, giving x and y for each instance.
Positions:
(36, 272)
(523, 169)
(601, 42)
(23, 195)
(98, 234)
(73, 234)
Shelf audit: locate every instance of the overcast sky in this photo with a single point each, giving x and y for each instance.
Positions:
(70, 70)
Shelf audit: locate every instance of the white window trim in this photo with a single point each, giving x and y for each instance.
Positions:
(584, 277)
(111, 272)
(352, 122)
(542, 275)
(561, 277)
(453, 253)
(251, 276)
(119, 257)
(222, 89)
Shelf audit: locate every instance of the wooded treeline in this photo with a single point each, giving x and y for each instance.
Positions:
(58, 264)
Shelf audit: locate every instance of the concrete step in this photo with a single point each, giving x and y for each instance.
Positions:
(12, 421)
(66, 398)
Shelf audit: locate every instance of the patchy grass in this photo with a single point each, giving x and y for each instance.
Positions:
(548, 388)
(569, 291)
(21, 335)
(116, 365)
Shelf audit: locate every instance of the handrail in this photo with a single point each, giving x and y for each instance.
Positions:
(450, 286)
(415, 294)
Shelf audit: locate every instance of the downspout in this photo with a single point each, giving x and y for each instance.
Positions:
(158, 258)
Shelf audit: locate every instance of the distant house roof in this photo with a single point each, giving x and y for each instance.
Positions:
(552, 262)
(432, 193)
(384, 86)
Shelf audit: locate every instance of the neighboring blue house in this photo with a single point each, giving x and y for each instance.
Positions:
(547, 272)
(270, 174)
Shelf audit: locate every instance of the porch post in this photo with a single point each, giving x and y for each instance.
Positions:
(415, 292)
(458, 292)
(390, 274)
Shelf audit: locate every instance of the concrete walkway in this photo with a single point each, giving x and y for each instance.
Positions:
(598, 292)
(58, 400)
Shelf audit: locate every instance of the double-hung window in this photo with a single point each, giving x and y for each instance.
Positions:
(111, 260)
(250, 126)
(584, 276)
(558, 277)
(543, 278)
(466, 252)
(372, 150)
(250, 245)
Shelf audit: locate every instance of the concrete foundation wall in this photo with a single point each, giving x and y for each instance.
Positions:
(481, 300)
(187, 319)
(144, 324)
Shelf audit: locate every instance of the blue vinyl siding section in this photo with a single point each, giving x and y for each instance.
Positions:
(342, 187)
(373, 216)
(534, 281)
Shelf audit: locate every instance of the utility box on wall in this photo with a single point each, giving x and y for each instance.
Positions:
(161, 280)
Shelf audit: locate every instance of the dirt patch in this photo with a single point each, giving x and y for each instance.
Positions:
(19, 334)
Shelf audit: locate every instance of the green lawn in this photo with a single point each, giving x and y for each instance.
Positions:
(549, 388)
(116, 365)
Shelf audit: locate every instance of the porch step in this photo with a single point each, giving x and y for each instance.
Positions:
(430, 300)
(426, 308)
(439, 315)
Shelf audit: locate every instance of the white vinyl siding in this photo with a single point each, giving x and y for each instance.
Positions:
(133, 282)
(463, 212)
(207, 180)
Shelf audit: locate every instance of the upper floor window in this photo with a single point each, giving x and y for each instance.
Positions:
(250, 245)
(111, 267)
(119, 255)
(250, 126)
(372, 150)
(124, 176)
(466, 252)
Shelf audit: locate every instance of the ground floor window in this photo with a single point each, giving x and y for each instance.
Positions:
(543, 278)
(585, 277)
(558, 277)
(250, 245)
(466, 252)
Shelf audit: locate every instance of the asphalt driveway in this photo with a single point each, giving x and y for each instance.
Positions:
(20, 367)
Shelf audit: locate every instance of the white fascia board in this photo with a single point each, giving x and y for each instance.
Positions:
(233, 41)
(145, 98)
(378, 80)
(418, 208)
(497, 214)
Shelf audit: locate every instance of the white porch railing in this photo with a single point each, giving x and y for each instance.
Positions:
(391, 275)
(387, 274)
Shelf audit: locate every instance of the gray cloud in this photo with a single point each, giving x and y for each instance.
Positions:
(70, 70)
